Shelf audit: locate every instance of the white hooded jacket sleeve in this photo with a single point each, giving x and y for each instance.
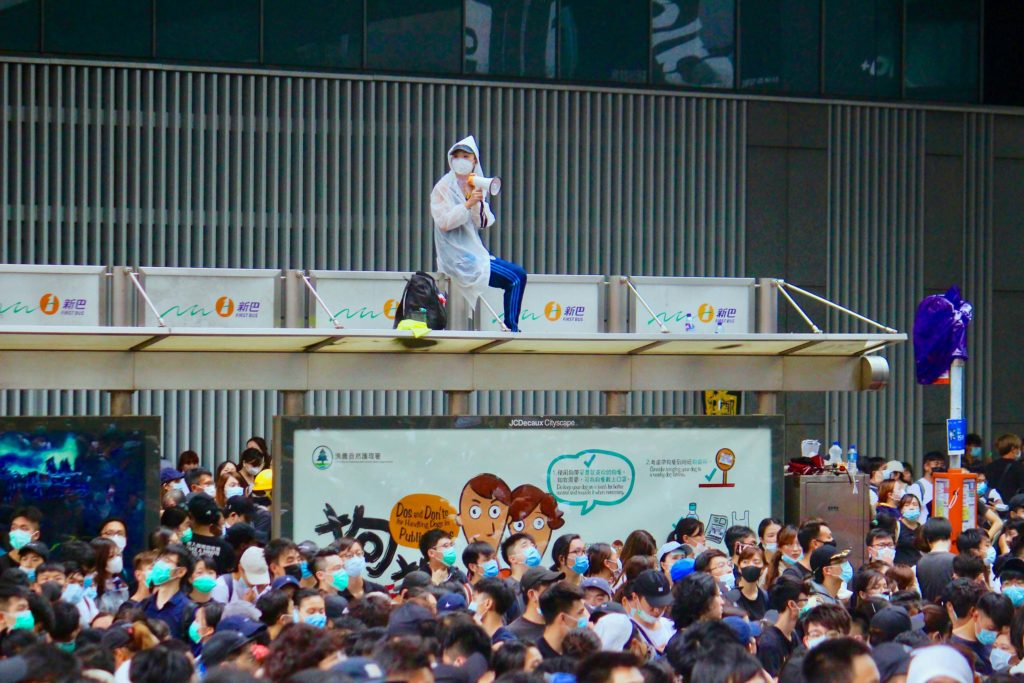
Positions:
(460, 251)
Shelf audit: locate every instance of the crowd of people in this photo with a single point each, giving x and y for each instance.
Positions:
(213, 596)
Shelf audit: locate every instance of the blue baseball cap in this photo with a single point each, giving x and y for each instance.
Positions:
(745, 630)
(451, 602)
(681, 569)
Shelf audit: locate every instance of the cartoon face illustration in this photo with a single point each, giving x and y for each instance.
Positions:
(536, 513)
(483, 509)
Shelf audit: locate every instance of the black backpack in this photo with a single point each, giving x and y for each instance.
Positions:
(421, 293)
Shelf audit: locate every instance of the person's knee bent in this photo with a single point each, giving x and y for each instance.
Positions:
(521, 274)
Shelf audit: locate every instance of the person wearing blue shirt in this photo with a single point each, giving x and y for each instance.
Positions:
(168, 602)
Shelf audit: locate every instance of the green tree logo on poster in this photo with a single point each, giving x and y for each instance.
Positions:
(323, 458)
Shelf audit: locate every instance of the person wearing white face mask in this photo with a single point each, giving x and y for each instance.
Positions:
(116, 530)
(200, 480)
(460, 212)
(881, 546)
(111, 588)
(354, 561)
(251, 462)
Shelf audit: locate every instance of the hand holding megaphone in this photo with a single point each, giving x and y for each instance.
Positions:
(490, 186)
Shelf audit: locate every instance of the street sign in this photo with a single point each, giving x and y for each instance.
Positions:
(956, 436)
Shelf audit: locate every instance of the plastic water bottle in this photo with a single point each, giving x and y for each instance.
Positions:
(418, 315)
(835, 453)
(851, 459)
(692, 514)
(688, 324)
(718, 327)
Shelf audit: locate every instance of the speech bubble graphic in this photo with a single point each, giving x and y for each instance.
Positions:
(418, 513)
(590, 478)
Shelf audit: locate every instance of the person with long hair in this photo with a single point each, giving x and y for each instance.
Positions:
(889, 494)
(570, 558)
(604, 563)
(225, 466)
(690, 531)
(111, 589)
(789, 552)
(639, 542)
(228, 486)
(768, 536)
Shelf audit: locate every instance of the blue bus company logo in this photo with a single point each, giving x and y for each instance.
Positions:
(323, 458)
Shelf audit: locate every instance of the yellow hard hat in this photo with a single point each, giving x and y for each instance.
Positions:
(264, 481)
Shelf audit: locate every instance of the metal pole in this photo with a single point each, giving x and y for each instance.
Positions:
(956, 401)
(616, 402)
(836, 306)
(120, 403)
(149, 302)
(782, 290)
(294, 310)
(629, 283)
(504, 327)
(320, 301)
(767, 323)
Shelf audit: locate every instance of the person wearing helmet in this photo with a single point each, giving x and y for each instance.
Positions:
(460, 212)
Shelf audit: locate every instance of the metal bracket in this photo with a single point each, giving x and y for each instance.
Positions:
(149, 302)
(632, 288)
(783, 286)
(323, 305)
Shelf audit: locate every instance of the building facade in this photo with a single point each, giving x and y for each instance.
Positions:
(873, 157)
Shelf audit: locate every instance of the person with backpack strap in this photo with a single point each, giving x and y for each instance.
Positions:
(460, 213)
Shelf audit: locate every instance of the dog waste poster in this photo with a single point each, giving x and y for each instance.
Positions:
(387, 481)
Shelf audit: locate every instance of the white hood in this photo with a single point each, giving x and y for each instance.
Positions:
(470, 142)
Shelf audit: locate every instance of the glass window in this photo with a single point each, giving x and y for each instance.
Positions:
(99, 27)
(414, 35)
(604, 40)
(862, 47)
(200, 30)
(781, 45)
(1004, 52)
(693, 42)
(511, 37)
(19, 26)
(942, 50)
(313, 33)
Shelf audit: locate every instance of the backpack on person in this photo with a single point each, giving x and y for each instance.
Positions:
(422, 296)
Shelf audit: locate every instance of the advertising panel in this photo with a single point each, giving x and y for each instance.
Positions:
(389, 480)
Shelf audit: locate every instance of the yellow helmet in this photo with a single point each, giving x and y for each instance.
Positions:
(264, 481)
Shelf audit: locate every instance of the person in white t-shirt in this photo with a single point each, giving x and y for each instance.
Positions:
(646, 598)
(924, 488)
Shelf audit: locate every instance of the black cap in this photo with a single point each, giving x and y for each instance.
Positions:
(37, 547)
(1010, 564)
(239, 533)
(535, 575)
(335, 606)
(416, 579)
(827, 555)
(888, 623)
(405, 620)
(892, 659)
(244, 625)
(222, 645)
(654, 587)
(118, 635)
(361, 670)
(240, 505)
(1016, 502)
(203, 508)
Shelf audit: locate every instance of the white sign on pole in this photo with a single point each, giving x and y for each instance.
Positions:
(53, 295)
(552, 304)
(358, 300)
(697, 305)
(210, 297)
(394, 479)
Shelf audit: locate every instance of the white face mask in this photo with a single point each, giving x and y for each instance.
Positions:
(253, 469)
(120, 541)
(115, 565)
(462, 166)
(210, 490)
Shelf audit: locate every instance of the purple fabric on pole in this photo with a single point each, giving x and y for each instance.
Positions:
(940, 333)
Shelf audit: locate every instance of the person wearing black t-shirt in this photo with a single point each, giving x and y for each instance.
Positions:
(778, 641)
(206, 544)
(748, 595)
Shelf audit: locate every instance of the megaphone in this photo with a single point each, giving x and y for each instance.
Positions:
(490, 186)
